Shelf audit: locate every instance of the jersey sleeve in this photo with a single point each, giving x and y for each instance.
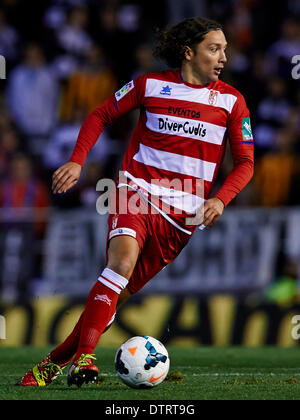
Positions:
(128, 98)
(242, 149)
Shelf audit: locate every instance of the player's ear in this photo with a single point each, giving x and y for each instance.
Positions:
(188, 53)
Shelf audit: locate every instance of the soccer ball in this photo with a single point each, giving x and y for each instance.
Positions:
(142, 362)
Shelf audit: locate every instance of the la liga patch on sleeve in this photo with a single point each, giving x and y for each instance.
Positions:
(124, 90)
(246, 129)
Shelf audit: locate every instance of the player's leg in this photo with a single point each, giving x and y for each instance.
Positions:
(99, 314)
(121, 260)
(123, 252)
(64, 352)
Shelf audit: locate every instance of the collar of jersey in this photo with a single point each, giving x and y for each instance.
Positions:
(192, 85)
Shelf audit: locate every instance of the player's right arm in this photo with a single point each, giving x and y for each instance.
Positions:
(65, 177)
(126, 99)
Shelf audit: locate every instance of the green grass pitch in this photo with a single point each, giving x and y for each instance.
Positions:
(208, 373)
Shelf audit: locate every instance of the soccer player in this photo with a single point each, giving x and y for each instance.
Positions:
(187, 116)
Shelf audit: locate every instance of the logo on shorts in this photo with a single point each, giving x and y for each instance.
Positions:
(114, 222)
(213, 96)
(103, 298)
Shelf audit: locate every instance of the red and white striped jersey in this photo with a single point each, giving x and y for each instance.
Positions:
(181, 135)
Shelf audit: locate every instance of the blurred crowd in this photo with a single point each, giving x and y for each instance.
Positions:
(65, 57)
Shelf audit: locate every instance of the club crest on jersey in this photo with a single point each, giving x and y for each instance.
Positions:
(166, 90)
(124, 90)
(213, 96)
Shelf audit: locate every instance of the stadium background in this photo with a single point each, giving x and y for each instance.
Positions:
(236, 283)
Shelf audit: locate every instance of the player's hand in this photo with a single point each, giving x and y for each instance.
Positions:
(65, 177)
(213, 210)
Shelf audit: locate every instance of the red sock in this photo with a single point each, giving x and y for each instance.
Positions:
(65, 351)
(100, 307)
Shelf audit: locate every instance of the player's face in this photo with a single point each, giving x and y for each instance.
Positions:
(208, 58)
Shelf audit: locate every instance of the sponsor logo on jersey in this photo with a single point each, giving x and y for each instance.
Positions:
(213, 96)
(166, 90)
(124, 90)
(182, 112)
(187, 127)
(246, 129)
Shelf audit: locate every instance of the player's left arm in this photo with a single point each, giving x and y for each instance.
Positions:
(242, 149)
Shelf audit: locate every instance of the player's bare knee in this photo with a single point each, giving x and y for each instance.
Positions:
(122, 255)
(123, 266)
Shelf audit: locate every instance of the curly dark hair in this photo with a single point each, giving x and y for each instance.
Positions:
(189, 32)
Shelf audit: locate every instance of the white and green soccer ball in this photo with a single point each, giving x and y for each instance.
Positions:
(142, 362)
